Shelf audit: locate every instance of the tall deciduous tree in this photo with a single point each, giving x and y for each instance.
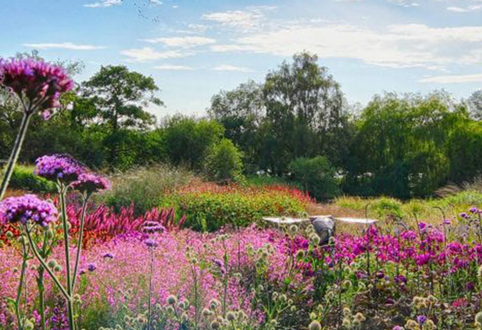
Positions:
(119, 97)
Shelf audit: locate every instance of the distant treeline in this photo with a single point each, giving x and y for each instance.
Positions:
(296, 124)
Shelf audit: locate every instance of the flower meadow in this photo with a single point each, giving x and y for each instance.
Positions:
(204, 260)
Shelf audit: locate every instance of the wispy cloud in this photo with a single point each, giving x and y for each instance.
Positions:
(466, 9)
(453, 79)
(103, 4)
(148, 54)
(182, 42)
(396, 46)
(248, 19)
(63, 45)
(169, 67)
(231, 68)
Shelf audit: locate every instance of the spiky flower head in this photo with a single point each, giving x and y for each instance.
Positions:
(27, 208)
(90, 183)
(59, 167)
(40, 83)
(315, 325)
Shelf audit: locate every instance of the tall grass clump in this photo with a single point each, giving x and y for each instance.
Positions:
(144, 186)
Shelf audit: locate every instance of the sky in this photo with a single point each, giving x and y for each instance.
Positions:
(195, 48)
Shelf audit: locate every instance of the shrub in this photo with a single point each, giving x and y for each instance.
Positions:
(316, 175)
(223, 162)
(23, 178)
(209, 208)
(188, 139)
(143, 186)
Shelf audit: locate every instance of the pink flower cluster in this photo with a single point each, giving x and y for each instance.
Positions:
(58, 167)
(40, 82)
(27, 208)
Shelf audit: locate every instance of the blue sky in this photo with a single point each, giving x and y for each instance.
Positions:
(194, 48)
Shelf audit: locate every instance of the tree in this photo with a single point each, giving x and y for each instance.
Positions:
(224, 162)
(316, 175)
(305, 110)
(188, 139)
(401, 144)
(116, 97)
(120, 96)
(475, 105)
(241, 111)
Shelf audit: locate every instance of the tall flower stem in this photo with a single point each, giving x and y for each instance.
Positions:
(46, 267)
(85, 199)
(151, 255)
(40, 282)
(62, 192)
(20, 286)
(15, 152)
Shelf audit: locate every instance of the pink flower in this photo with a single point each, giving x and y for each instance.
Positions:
(39, 82)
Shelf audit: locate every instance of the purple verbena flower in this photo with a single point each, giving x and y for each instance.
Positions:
(90, 183)
(91, 267)
(150, 243)
(473, 210)
(153, 227)
(27, 208)
(59, 167)
(464, 215)
(39, 82)
(108, 255)
(421, 319)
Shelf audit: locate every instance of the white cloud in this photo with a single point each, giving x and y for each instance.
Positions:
(398, 46)
(148, 54)
(231, 68)
(467, 9)
(104, 4)
(183, 42)
(63, 45)
(156, 2)
(169, 67)
(238, 19)
(453, 79)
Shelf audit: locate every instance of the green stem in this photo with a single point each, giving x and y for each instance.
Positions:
(15, 153)
(20, 286)
(80, 239)
(65, 225)
(45, 266)
(150, 288)
(40, 283)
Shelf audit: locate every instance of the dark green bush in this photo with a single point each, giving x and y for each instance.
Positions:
(23, 178)
(316, 175)
(224, 162)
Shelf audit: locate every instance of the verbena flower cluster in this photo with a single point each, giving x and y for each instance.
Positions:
(40, 82)
(27, 208)
(59, 167)
(91, 182)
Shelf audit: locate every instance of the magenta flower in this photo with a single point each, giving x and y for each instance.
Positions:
(153, 227)
(150, 243)
(91, 267)
(59, 167)
(90, 183)
(27, 208)
(39, 82)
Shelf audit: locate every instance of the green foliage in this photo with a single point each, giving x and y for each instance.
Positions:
(400, 148)
(465, 152)
(23, 178)
(209, 211)
(188, 139)
(316, 175)
(223, 162)
(265, 180)
(144, 186)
